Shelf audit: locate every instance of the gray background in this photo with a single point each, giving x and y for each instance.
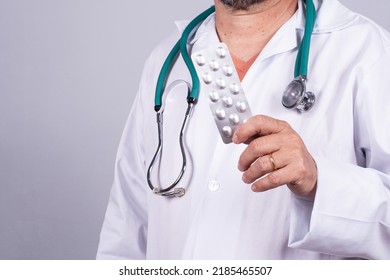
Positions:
(68, 73)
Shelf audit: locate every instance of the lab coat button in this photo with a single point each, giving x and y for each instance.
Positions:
(214, 185)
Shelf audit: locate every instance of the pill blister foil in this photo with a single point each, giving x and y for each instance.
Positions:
(221, 85)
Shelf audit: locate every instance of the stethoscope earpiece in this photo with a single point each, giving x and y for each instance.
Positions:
(296, 97)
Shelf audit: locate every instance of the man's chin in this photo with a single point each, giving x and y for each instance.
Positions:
(241, 4)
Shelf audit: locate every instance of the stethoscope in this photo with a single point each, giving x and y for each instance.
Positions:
(295, 95)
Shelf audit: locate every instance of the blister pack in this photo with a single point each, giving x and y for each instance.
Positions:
(221, 84)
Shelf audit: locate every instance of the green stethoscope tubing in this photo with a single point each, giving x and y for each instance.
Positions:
(301, 63)
(181, 47)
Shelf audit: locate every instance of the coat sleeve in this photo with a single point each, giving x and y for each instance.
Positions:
(350, 216)
(124, 231)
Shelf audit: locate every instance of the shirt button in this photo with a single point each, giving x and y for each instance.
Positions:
(214, 185)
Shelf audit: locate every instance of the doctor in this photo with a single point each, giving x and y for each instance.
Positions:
(327, 192)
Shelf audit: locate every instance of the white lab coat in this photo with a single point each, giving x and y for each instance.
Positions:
(347, 132)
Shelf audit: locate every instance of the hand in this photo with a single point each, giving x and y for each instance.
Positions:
(274, 148)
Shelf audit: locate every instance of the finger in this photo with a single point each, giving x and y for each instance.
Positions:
(259, 147)
(274, 179)
(263, 166)
(259, 125)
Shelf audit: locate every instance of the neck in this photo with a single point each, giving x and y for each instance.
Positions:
(246, 32)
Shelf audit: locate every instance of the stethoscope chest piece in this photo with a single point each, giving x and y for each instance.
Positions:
(296, 97)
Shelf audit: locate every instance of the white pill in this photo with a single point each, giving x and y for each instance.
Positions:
(214, 65)
(221, 52)
(234, 88)
(207, 78)
(221, 83)
(227, 101)
(228, 70)
(214, 96)
(220, 113)
(200, 60)
(234, 119)
(241, 106)
(227, 131)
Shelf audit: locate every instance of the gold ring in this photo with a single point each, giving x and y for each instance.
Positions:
(271, 159)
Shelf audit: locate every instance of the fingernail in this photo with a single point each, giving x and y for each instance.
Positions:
(235, 139)
(244, 179)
